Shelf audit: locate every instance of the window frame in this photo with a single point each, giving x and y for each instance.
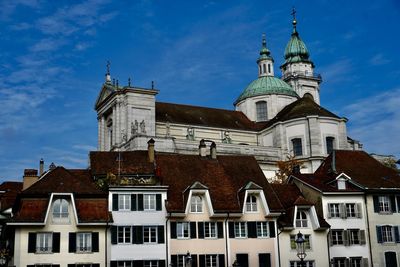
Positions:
(124, 202)
(44, 243)
(240, 229)
(150, 263)
(196, 204)
(334, 210)
(297, 146)
(262, 110)
(150, 234)
(330, 144)
(210, 230)
(384, 204)
(262, 229)
(301, 222)
(388, 234)
(251, 203)
(149, 202)
(183, 232)
(124, 233)
(86, 238)
(211, 260)
(351, 210)
(60, 210)
(337, 236)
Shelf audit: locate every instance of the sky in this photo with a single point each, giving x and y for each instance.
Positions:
(53, 59)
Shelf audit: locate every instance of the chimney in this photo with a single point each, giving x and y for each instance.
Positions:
(213, 150)
(202, 148)
(150, 150)
(41, 167)
(30, 177)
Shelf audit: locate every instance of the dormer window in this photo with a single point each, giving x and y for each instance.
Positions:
(341, 184)
(301, 219)
(60, 209)
(251, 203)
(196, 204)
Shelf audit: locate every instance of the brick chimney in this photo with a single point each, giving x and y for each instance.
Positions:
(150, 150)
(213, 150)
(202, 148)
(41, 167)
(30, 177)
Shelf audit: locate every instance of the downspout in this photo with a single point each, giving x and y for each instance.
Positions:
(279, 250)
(369, 232)
(166, 240)
(106, 245)
(329, 248)
(226, 239)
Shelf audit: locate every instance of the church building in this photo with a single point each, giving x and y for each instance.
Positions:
(273, 118)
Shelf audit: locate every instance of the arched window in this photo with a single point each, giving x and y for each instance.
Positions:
(110, 133)
(196, 204)
(264, 69)
(251, 203)
(60, 209)
(269, 68)
(301, 219)
(261, 109)
(330, 142)
(308, 95)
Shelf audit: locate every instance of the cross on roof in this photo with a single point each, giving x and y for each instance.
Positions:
(293, 13)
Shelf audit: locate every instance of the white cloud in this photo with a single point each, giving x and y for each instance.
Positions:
(379, 59)
(375, 121)
(337, 71)
(47, 44)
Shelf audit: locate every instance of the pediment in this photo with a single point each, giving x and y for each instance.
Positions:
(105, 91)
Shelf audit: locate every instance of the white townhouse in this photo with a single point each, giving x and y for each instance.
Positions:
(60, 221)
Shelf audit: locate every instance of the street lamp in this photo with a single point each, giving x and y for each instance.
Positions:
(300, 246)
(188, 260)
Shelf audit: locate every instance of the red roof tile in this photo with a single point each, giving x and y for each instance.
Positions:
(11, 190)
(31, 210)
(362, 169)
(92, 210)
(202, 116)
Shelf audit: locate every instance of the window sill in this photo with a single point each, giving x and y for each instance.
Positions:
(44, 252)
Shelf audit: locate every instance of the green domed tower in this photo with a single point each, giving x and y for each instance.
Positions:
(298, 69)
(264, 97)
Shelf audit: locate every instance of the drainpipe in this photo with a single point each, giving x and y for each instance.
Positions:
(279, 249)
(166, 241)
(369, 231)
(106, 245)
(226, 240)
(329, 248)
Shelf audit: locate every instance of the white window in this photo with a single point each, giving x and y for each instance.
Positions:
(240, 229)
(124, 202)
(196, 204)
(124, 264)
(124, 234)
(182, 230)
(262, 229)
(355, 262)
(354, 236)
(384, 204)
(181, 260)
(251, 203)
(211, 261)
(298, 264)
(149, 234)
(307, 243)
(44, 242)
(150, 264)
(60, 209)
(149, 202)
(83, 242)
(210, 230)
(262, 112)
(334, 210)
(387, 233)
(301, 219)
(339, 262)
(351, 211)
(297, 147)
(337, 237)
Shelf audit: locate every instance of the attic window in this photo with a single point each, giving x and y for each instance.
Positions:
(251, 203)
(60, 209)
(196, 204)
(301, 219)
(341, 184)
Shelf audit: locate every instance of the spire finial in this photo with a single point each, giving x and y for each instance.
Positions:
(129, 81)
(294, 22)
(108, 76)
(152, 84)
(264, 40)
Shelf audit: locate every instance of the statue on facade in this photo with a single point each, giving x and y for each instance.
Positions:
(227, 139)
(142, 127)
(190, 134)
(168, 129)
(124, 136)
(134, 127)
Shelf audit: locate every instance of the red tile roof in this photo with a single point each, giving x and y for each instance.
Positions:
(11, 190)
(362, 169)
(202, 116)
(324, 183)
(91, 202)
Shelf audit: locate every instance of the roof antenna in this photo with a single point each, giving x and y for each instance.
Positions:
(108, 75)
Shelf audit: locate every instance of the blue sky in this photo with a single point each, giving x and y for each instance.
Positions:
(53, 56)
